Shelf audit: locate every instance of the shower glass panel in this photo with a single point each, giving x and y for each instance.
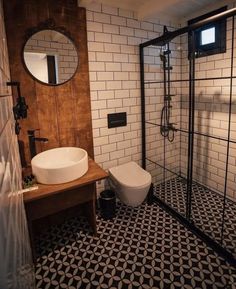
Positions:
(208, 185)
(163, 101)
(153, 82)
(211, 127)
(229, 224)
(174, 184)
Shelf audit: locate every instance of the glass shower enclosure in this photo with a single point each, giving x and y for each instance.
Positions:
(189, 130)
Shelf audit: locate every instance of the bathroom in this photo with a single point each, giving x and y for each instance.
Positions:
(149, 86)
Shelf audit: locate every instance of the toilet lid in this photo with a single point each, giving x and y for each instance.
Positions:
(131, 175)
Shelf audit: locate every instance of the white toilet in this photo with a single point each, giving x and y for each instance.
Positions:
(130, 182)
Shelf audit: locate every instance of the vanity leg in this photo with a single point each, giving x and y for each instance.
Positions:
(90, 211)
(31, 236)
(93, 210)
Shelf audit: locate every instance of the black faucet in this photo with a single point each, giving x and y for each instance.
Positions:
(32, 140)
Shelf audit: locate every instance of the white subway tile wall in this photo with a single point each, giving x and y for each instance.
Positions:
(16, 270)
(114, 36)
(154, 95)
(211, 117)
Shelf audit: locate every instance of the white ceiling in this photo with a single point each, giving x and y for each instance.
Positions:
(178, 10)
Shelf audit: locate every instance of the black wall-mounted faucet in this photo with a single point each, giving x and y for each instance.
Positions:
(32, 140)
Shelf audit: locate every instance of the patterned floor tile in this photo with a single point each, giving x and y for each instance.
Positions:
(207, 209)
(141, 247)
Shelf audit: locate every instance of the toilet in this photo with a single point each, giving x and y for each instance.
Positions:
(130, 182)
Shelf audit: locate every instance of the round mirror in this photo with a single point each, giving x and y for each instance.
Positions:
(50, 57)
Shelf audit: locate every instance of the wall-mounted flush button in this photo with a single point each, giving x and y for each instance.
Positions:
(117, 119)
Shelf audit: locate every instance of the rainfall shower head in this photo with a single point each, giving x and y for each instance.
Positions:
(161, 43)
(165, 39)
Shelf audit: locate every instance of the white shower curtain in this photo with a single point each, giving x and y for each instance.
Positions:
(16, 267)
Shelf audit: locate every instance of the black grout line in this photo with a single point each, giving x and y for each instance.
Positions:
(196, 79)
(198, 133)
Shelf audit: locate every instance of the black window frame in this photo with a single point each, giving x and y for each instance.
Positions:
(219, 46)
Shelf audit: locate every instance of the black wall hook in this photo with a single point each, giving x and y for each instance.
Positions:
(20, 109)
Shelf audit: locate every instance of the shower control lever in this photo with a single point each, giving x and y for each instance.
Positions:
(166, 52)
(164, 129)
(171, 126)
(169, 97)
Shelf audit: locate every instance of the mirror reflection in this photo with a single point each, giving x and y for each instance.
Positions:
(50, 57)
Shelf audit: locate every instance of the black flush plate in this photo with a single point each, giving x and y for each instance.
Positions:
(117, 119)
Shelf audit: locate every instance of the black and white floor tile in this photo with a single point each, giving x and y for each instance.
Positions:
(141, 247)
(207, 209)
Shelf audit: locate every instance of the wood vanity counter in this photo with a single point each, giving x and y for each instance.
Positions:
(54, 202)
(94, 174)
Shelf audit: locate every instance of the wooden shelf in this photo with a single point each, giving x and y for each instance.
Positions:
(94, 173)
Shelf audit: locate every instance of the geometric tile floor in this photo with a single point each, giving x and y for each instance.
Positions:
(207, 209)
(141, 247)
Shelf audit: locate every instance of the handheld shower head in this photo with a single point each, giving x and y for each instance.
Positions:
(163, 57)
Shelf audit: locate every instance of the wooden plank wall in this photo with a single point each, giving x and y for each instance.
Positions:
(63, 112)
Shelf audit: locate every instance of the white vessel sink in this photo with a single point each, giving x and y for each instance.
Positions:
(60, 165)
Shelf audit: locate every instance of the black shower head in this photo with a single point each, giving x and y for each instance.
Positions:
(161, 42)
(163, 39)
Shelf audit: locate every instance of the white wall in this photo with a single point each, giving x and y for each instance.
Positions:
(211, 117)
(37, 65)
(156, 145)
(114, 36)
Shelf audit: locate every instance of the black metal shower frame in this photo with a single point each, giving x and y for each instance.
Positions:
(160, 41)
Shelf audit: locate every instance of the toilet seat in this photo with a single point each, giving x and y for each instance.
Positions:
(131, 175)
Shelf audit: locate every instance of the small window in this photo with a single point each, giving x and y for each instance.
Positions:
(208, 36)
(211, 38)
